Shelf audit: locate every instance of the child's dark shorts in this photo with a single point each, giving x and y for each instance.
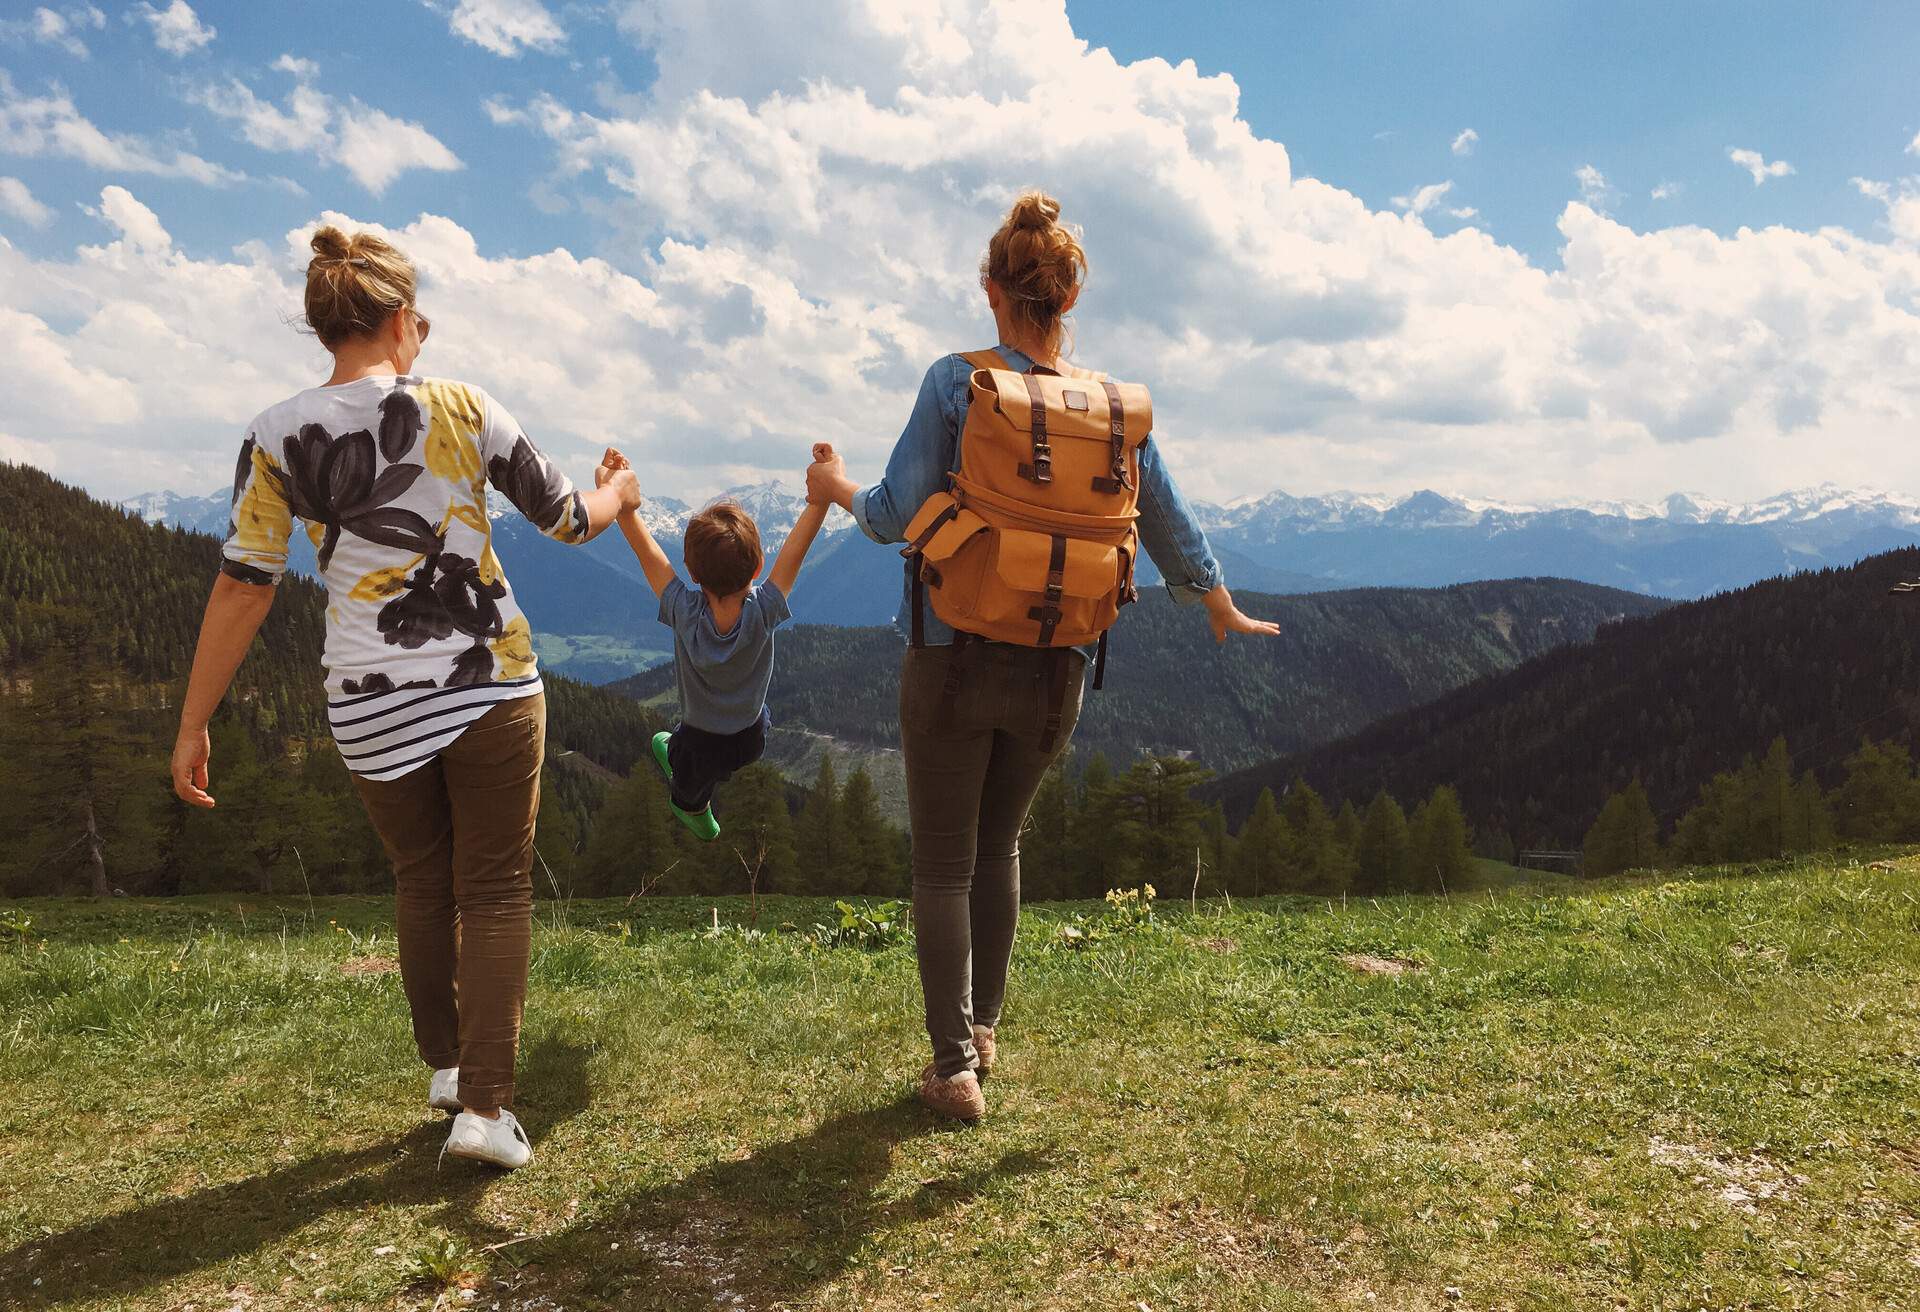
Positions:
(702, 761)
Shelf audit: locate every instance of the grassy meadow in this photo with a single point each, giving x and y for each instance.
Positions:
(1693, 1093)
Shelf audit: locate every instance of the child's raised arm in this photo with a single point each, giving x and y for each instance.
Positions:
(794, 550)
(653, 561)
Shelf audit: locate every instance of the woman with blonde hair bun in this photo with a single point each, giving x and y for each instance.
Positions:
(978, 726)
(433, 694)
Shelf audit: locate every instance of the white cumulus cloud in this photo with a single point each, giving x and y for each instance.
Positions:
(17, 200)
(1665, 190)
(368, 143)
(506, 27)
(176, 29)
(59, 28)
(1423, 198)
(1595, 190)
(802, 198)
(49, 125)
(1464, 143)
(1758, 168)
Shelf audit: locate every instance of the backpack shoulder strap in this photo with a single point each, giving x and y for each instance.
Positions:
(986, 360)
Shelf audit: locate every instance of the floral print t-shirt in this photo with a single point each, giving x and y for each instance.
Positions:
(390, 475)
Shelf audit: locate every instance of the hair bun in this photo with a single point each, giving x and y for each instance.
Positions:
(1035, 210)
(329, 243)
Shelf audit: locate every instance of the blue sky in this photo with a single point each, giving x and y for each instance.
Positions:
(1334, 289)
(1367, 96)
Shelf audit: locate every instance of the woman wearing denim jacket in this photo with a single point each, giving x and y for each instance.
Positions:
(973, 770)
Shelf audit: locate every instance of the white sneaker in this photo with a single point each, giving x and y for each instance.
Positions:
(501, 1142)
(443, 1095)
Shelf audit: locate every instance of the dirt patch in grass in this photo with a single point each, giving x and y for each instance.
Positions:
(1368, 964)
(360, 967)
(1220, 945)
(1742, 1183)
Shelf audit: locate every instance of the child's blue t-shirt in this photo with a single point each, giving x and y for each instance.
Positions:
(723, 676)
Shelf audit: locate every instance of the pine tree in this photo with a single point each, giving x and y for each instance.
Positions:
(1384, 852)
(1101, 859)
(1625, 836)
(1046, 845)
(1161, 823)
(556, 841)
(1810, 817)
(1216, 847)
(873, 846)
(1319, 863)
(819, 838)
(634, 844)
(1263, 850)
(1772, 801)
(1346, 828)
(1442, 857)
(1879, 801)
(755, 850)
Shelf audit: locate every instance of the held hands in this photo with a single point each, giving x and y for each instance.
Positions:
(824, 459)
(615, 471)
(1224, 617)
(190, 755)
(827, 481)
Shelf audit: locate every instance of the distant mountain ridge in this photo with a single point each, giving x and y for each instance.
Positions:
(595, 616)
(1342, 660)
(1824, 658)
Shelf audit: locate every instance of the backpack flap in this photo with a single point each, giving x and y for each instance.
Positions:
(1071, 441)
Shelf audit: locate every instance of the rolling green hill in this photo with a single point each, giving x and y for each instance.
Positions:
(1343, 660)
(1824, 659)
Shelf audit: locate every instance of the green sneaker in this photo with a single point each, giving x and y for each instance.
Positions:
(702, 824)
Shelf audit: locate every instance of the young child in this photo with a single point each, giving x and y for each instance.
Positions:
(722, 641)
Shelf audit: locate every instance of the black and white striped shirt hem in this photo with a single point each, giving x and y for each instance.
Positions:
(384, 735)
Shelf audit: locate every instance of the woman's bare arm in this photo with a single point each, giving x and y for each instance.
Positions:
(234, 614)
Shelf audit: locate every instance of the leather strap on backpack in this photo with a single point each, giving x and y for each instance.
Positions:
(1041, 470)
(918, 591)
(1050, 614)
(1117, 427)
(1100, 662)
(987, 360)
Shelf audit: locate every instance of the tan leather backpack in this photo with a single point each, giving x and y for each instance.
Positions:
(1034, 540)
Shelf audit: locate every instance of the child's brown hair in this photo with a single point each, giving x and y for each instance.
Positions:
(723, 549)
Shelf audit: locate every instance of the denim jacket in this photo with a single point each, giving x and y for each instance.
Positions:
(929, 448)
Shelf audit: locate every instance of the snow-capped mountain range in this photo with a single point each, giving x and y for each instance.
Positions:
(1685, 546)
(775, 505)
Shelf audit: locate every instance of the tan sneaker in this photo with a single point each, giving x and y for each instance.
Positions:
(957, 1097)
(984, 1047)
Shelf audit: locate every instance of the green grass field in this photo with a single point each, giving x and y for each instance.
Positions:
(1698, 1093)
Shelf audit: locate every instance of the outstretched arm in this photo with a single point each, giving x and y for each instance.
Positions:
(793, 552)
(1224, 617)
(653, 561)
(235, 611)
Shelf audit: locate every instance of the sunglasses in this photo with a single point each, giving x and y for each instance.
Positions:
(423, 324)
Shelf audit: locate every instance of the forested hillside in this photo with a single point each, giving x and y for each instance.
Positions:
(98, 614)
(1822, 659)
(1342, 660)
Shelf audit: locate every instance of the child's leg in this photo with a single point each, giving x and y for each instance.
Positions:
(691, 757)
(711, 759)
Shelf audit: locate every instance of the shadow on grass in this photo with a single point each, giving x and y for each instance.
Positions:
(756, 1232)
(127, 1252)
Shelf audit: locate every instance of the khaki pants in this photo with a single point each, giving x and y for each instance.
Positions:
(459, 831)
(974, 763)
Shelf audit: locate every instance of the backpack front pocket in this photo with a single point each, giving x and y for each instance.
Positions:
(1053, 590)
